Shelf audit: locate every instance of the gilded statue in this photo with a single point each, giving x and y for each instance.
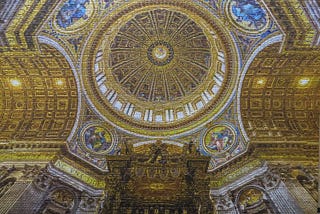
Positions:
(158, 153)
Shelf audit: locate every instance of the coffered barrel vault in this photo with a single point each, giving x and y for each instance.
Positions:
(280, 97)
(39, 99)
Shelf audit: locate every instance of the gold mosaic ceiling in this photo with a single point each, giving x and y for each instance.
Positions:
(160, 56)
(266, 115)
(38, 96)
(157, 71)
(280, 99)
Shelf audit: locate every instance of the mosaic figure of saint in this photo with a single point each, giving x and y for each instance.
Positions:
(249, 11)
(72, 11)
(220, 140)
(95, 139)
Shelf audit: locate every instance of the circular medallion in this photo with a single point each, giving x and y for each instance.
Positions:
(97, 139)
(74, 15)
(247, 15)
(159, 68)
(219, 138)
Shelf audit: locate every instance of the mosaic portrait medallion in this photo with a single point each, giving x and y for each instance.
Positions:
(74, 15)
(248, 15)
(97, 139)
(218, 139)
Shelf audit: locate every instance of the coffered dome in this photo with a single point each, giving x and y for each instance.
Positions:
(160, 56)
(159, 69)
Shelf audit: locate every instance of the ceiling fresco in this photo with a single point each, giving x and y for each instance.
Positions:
(172, 38)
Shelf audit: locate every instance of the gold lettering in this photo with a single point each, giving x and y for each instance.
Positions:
(78, 174)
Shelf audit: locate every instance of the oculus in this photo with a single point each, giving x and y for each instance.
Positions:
(160, 53)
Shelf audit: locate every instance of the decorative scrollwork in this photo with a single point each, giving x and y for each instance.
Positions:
(44, 180)
(62, 197)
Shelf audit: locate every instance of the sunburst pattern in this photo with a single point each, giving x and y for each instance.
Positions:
(160, 56)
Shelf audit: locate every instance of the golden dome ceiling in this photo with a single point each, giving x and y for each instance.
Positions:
(160, 56)
(156, 71)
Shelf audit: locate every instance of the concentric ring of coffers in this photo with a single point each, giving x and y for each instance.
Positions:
(159, 68)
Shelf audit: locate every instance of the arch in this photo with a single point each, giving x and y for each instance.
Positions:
(56, 45)
(39, 98)
(279, 96)
(270, 41)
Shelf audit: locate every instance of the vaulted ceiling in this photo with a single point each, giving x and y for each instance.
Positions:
(280, 97)
(38, 96)
(41, 100)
